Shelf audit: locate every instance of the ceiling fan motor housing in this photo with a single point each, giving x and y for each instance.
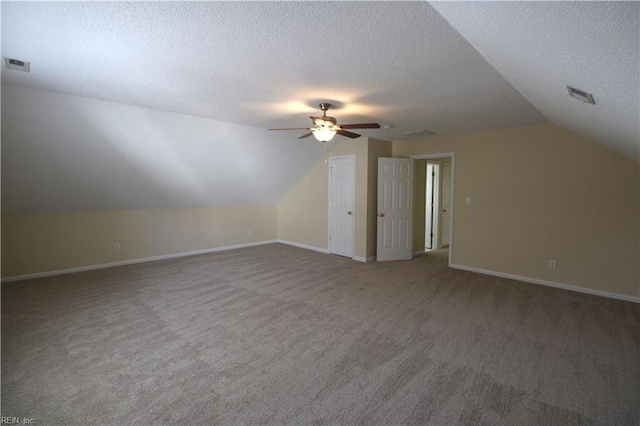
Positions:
(325, 121)
(328, 121)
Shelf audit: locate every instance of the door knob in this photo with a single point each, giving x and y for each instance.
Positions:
(349, 212)
(381, 214)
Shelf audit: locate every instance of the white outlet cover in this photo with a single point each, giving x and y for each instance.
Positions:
(467, 200)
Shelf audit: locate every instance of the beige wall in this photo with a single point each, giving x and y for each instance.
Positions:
(303, 212)
(49, 242)
(537, 193)
(362, 171)
(540, 193)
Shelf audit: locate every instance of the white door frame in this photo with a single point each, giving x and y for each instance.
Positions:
(353, 190)
(453, 185)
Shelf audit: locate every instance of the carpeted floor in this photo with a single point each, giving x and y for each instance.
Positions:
(279, 335)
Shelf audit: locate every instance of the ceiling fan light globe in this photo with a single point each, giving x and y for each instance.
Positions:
(324, 134)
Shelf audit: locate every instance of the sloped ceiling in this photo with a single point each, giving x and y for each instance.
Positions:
(540, 47)
(65, 153)
(147, 104)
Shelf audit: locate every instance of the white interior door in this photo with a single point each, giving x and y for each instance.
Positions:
(395, 209)
(446, 204)
(342, 181)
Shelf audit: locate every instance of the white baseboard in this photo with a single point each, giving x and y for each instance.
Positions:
(549, 283)
(132, 261)
(364, 259)
(325, 251)
(304, 246)
(320, 250)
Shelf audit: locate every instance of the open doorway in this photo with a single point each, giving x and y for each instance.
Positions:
(437, 204)
(433, 208)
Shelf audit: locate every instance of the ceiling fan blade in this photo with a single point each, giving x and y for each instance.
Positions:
(291, 128)
(306, 135)
(348, 134)
(360, 126)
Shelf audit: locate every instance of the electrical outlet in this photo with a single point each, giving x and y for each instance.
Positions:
(467, 200)
(250, 231)
(116, 247)
(552, 264)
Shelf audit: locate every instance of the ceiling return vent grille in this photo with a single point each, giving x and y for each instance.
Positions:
(580, 95)
(16, 64)
(415, 133)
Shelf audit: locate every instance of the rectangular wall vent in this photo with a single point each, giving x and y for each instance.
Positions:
(421, 132)
(16, 64)
(580, 95)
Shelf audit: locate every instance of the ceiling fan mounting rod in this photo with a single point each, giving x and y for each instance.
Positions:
(325, 107)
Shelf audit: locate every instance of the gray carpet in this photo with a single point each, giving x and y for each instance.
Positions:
(280, 335)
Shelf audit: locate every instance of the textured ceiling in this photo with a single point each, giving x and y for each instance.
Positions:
(265, 64)
(240, 67)
(541, 47)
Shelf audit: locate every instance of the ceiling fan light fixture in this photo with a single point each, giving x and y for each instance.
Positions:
(324, 134)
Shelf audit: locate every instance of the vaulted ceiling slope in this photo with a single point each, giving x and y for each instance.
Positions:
(165, 104)
(540, 47)
(63, 153)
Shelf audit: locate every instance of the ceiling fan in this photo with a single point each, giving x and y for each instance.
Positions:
(325, 127)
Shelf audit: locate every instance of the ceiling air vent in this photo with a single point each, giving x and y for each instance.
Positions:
(16, 64)
(580, 95)
(421, 132)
